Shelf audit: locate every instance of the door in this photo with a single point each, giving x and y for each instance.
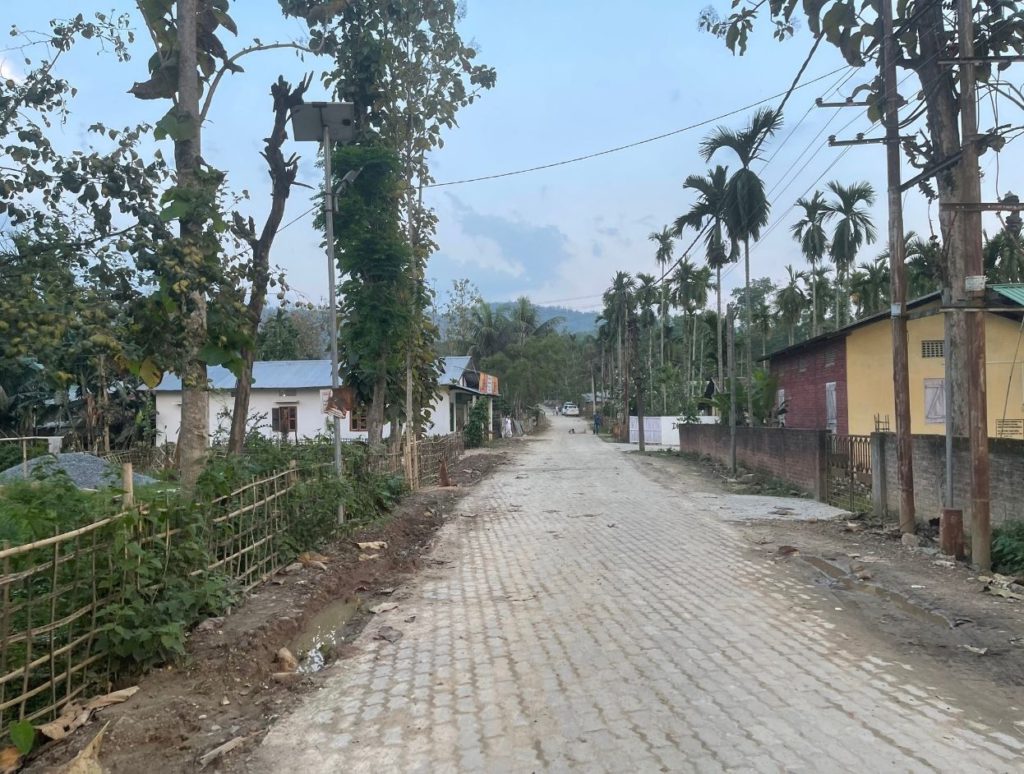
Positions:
(831, 414)
(935, 401)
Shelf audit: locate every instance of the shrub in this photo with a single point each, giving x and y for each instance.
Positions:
(1008, 548)
(476, 425)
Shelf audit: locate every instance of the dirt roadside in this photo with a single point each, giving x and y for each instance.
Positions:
(225, 689)
(872, 586)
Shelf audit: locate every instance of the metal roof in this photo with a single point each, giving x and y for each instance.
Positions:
(266, 375)
(1013, 293)
(453, 368)
(296, 375)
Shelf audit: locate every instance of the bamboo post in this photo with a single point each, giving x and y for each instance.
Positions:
(24, 457)
(128, 485)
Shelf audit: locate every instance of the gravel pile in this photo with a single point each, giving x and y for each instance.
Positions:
(87, 471)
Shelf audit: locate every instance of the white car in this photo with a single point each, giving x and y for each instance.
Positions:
(570, 410)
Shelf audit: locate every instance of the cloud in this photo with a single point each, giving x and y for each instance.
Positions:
(504, 255)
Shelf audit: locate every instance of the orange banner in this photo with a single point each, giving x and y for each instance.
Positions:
(488, 384)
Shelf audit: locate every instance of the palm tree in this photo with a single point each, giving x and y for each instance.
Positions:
(790, 301)
(709, 211)
(690, 294)
(619, 302)
(665, 241)
(869, 286)
(647, 292)
(853, 229)
(747, 207)
(809, 231)
(489, 330)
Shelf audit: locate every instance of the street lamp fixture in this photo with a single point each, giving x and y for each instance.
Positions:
(328, 122)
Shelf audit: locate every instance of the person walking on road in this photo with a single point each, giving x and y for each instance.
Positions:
(507, 428)
(597, 423)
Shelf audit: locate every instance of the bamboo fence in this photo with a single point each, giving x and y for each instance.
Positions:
(55, 592)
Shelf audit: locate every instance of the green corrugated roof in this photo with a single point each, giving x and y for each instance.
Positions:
(1014, 293)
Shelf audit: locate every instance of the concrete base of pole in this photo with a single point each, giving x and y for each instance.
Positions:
(951, 533)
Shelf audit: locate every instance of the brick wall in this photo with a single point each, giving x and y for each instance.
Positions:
(1006, 458)
(803, 375)
(796, 456)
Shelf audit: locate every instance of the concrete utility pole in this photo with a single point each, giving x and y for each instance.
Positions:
(730, 322)
(974, 294)
(898, 277)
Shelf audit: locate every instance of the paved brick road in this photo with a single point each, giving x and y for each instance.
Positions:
(589, 618)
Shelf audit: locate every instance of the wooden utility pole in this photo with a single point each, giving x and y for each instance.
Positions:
(730, 323)
(898, 274)
(974, 294)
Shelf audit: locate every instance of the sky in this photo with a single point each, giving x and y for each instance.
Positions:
(575, 77)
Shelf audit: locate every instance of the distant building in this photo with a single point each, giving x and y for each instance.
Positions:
(289, 399)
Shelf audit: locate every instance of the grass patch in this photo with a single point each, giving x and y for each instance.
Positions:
(1008, 548)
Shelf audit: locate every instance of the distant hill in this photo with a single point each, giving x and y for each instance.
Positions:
(574, 321)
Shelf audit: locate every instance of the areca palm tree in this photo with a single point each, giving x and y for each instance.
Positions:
(746, 204)
(790, 301)
(809, 231)
(710, 211)
(619, 301)
(854, 228)
(665, 240)
(647, 293)
(869, 286)
(690, 286)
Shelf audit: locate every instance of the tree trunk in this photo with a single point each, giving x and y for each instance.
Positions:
(193, 438)
(943, 110)
(750, 333)
(375, 413)
(721, 359)
(814, 301)
(282, 176)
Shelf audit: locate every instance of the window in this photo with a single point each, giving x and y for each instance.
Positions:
(831, 408)
(830, 357)
(935, 401)
(284, 419)
(933, 348)
(803, 364)
(357, 420)
(286, 393)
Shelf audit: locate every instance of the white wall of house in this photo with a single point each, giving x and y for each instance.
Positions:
(309, 419)
(440, 415)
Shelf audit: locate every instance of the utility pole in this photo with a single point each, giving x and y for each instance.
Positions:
(898, 275)
(730, 322)
(974, 295)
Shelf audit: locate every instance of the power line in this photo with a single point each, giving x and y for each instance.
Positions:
(638, 143)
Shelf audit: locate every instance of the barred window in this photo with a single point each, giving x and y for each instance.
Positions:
(830, 357)
(933, 348)
(284, 419)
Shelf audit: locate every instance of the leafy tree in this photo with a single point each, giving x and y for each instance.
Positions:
(809, 231)
(457, 317)
(408, 73)
(747, 206)
(1004, 256)
(853, 228)
(288, 336)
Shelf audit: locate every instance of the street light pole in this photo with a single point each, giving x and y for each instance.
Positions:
(328, 122)
(331, 290)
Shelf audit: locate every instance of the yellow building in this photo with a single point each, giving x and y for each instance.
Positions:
(869, 369)
(868, 398)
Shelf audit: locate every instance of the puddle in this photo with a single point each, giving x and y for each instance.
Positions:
(316, 646)
(841, 578)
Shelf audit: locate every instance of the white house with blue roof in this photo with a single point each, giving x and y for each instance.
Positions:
(288, 399)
